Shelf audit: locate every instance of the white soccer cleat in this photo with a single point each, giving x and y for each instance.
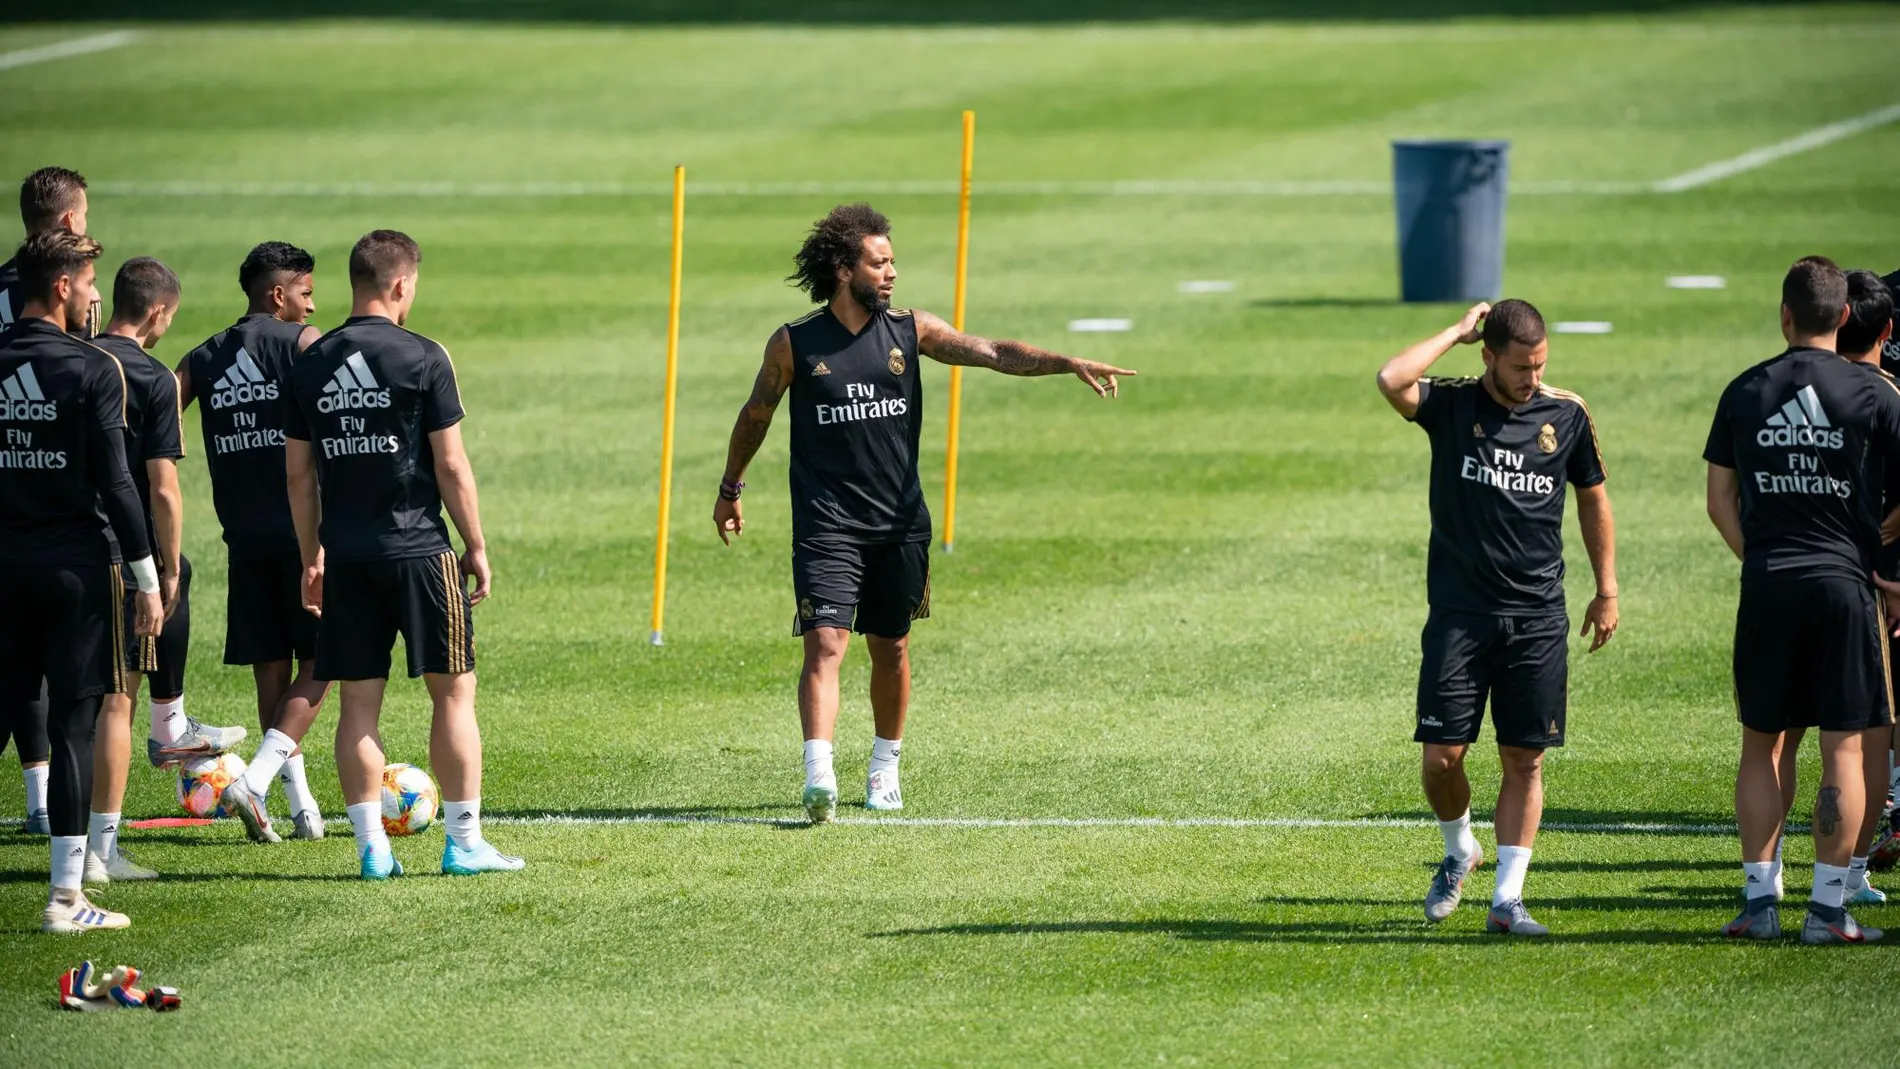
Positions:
(821, 802)
(102, 872)
(79, 915)
(881, 791)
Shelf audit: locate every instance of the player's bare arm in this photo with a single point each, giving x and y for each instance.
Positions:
(306, 510)
(749, 430)
(183, 374)
(946, 345)
(307, 338)
(168, 523)
(1599, 541)
(457, 481)
(1725, 506)
(1399, 378)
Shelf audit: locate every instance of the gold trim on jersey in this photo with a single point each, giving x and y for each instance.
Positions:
(1464, 380)
(119, 366)
(1588, 420)
(808, 316)
(901, 313)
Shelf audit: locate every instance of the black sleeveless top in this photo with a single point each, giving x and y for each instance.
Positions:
(857, 413)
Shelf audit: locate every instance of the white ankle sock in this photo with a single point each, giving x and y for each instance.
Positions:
(366, 820)
(1758, 878)
(272, 752)
(818, 764)
(1459, 842)
(36, 780)
(464, 822)
(69, 861)
(884, 754)
(168, 720)
(1856, 874)
(1830, 885)
(297, 787)
(102, 834)
(1513, 863)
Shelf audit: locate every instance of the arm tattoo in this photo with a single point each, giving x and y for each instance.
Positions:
(1008, 357)
(1827, 811)
(755, 419)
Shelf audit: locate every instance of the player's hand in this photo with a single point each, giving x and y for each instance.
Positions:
(1890, 528)
(1600, 617)
(148, 614)
(1471, 327)
(168, 595)
(729, 518)
(475, 566)
(1891, 591)
(313, 588)
(1100, 377)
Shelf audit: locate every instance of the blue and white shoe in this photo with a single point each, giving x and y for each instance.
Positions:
(1867, 895)
(380, 864)
(38, 823)
(482, 857)
(821, 802)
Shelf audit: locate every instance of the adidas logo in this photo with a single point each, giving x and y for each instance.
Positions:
(352, 387)
(1801, 421)
(22, 399)
(6, 308)
(243, 384)
(821, 369)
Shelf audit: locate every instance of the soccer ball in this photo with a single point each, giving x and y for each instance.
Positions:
(409, 800)
(202, 779)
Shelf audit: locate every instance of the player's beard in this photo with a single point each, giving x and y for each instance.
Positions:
(869, 298)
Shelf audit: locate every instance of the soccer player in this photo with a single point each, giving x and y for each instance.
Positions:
(144, 299)
(239, 376)
(1503, 446)
(374, 454)
(860, 528)
(62, 464)
(50, 198)
(1798, 455)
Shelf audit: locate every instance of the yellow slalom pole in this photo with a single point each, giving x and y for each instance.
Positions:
(666, 431)
(956, 321)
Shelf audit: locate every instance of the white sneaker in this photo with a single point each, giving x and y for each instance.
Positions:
(79, 915)
(102, 872)
(881, 791)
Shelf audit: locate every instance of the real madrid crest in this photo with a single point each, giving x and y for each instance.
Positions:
(1547, 438)
(804, 608)
(897, 361)
(1477, 430)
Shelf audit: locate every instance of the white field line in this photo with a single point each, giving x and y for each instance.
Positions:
(78, 46)
(1816, 138)
(1130, 188)
(1611, 828)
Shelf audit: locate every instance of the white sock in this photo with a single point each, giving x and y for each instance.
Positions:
(271, 755)
(1856, 874)
(102, 834)
(1830, 885)
(168, 720)
(464, 822)
(1459, 842)
(366, 820)
(818, 771)
(1893, 774)
(1779, 841)
(1758, 878)
(69, 862)
(297, 787)
(36, 778)
(1774, 867)
(884, 754)
(1513, 863)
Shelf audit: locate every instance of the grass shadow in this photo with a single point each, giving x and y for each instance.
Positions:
(1327, 932)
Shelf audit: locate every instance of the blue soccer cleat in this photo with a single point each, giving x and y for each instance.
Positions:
(482, 857)
(380, 864)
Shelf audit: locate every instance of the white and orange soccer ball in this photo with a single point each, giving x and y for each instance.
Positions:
(409, 800)
(202, 779)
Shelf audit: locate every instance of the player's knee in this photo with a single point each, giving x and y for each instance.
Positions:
(825, 647)
(889, 652)
(1443, 760)
(1521, 763)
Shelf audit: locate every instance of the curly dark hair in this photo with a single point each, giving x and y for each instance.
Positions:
(260, 269)
(836, 241)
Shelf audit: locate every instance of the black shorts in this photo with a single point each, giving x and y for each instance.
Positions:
(1811, 653)
(64, 625)
(1520, 663)
(366, 603)
(161, 659)
(264, 617)
(878, 589)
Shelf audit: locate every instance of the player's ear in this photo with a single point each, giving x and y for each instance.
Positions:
(1846, 310)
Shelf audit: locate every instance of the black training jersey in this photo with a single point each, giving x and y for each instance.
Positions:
(152, 426)
(1498, 478)
(367, 396)
(64, 485)
(238, 378)
(857, 413)
(1811, 436)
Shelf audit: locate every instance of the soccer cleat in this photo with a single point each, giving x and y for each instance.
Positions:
(38, 823)
(309, 826)
(482, 857)
(1833, 925)
(821, 802)
(1886, 849)
(379, 864)
(199, 740)
(1758, 920)
(79, 915)
(1866, 895)
(1511, 918)
(102, 872)
(882, 792)
(1448, 885)
(238, 800)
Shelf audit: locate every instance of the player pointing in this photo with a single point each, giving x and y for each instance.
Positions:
(1503, 446)
(860, 528)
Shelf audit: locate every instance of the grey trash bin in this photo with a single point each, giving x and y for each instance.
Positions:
(1450, 197)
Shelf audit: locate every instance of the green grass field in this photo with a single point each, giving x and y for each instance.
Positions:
(1201, 601)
